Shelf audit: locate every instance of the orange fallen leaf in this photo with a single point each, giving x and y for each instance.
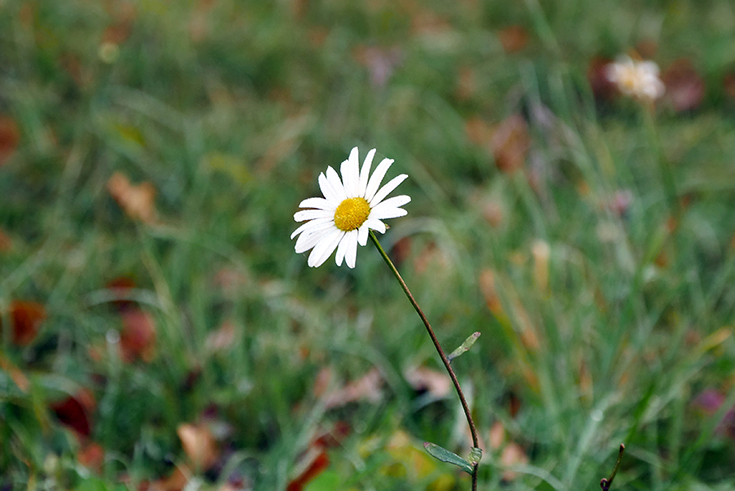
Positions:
(92, 456)
(199, 445)
(176, 481)
(509, 143)
(9, 138)
(137, 201)
(138, 336)
(513, 38)
(6, 243)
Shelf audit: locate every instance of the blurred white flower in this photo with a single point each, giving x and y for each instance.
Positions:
(638, 79)
(351, 206)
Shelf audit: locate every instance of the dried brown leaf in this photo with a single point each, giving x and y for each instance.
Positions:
(436, 383)
(513, 38)
(26, 319)
(199, 445)
(366, 388)
(137, 201)
(509, 143)
(9, 138)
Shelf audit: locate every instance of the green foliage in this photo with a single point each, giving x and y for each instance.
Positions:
(230, 110)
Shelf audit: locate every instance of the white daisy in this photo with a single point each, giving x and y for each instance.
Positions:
(351, 206)
(636, 78)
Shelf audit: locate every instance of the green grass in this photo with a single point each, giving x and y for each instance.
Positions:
(231, 110)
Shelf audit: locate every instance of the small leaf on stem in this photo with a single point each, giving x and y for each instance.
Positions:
(445, 455)
(464, 346)
(475, 455)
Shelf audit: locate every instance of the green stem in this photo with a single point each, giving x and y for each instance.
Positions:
(445, 360)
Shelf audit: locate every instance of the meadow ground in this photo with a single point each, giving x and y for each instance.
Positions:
(159, 332)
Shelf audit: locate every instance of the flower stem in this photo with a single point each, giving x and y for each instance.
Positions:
(439, 349)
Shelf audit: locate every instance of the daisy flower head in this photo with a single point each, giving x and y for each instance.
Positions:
(350, 208)
(636, 78)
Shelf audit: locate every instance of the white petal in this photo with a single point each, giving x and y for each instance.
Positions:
(329, 193)
(302, 215)
(390, 208)
(365, 173)
(351, 174)
(375, 224)
(319, 203)
(341, 250)
(313, 226)
(336, 184)
(385, 190)
(307, 241)
(325, 247)
(351, 249)
(377, 178)
(363, 232)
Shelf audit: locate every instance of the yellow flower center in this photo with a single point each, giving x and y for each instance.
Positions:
(351, 213)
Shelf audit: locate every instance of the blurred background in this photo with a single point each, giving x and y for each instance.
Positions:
(160, 333)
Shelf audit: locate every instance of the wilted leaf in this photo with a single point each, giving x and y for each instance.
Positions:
(366, 388)
(26, 319)
(9, 138)
(138, 336)
(509, 143)
(137, 201)
(438, 384)
(513, 38)
(199, 445)
(512, 454)
(75, 411)
(445, 455)
(489, 291)
(684, 86)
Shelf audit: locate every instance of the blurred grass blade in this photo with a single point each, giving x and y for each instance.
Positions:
(445, 455)
(464, 346)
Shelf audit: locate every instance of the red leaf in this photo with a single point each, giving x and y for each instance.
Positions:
(9, 138)
(602, 87)
(684, 86)
(75, 412)
(138, 336)
(26, 318)
(315, 467)
(120, 287)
